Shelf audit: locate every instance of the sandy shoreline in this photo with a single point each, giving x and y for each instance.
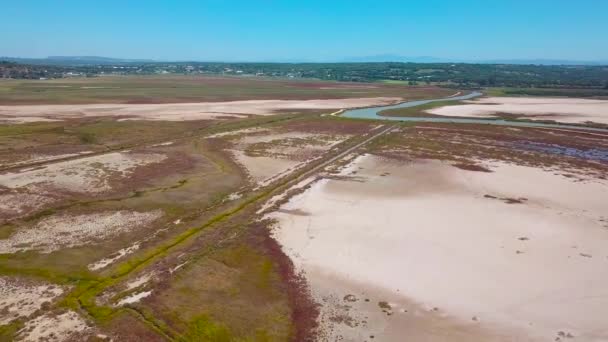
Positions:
(566, 110)
(356, 311)
(428, 234)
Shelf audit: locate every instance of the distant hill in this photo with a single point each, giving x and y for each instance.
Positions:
(430, 59)
(75, 60)
(542, 62)
(98, 60)
(458, 74)
(394, 58)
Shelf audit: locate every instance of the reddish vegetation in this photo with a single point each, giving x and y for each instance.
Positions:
(567, 137)
(464, 144)
(176, 162)
(304, 311)
(127, 328)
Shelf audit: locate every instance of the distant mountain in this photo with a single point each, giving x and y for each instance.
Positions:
(394, 58)
(542, 62)
(97, 60)
(430, 59)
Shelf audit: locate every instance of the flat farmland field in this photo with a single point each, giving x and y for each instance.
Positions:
(183, 89)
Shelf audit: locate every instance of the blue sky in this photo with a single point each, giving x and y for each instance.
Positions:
(305, 30)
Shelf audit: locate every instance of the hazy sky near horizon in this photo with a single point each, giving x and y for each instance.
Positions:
(314, 30)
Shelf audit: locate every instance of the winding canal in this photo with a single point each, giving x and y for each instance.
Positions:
(373, 114)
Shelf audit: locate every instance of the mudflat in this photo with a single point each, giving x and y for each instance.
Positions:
(567, 110)
(512, 254)
(180, 111)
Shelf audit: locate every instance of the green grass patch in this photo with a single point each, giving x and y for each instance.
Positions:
(202, 328)
(6, 230)
(30, 128)
(41, 214)
(259, 270)
(8, 332)
(87, 137)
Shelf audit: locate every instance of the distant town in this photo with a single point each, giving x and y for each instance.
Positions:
(444, 74)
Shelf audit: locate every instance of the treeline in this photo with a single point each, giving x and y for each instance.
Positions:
(25, 71)
(448, 74)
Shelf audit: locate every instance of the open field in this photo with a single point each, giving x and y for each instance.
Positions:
(189, 89)
(170, 230)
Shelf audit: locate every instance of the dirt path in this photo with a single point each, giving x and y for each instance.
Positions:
(339, 156)
(84, 296)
